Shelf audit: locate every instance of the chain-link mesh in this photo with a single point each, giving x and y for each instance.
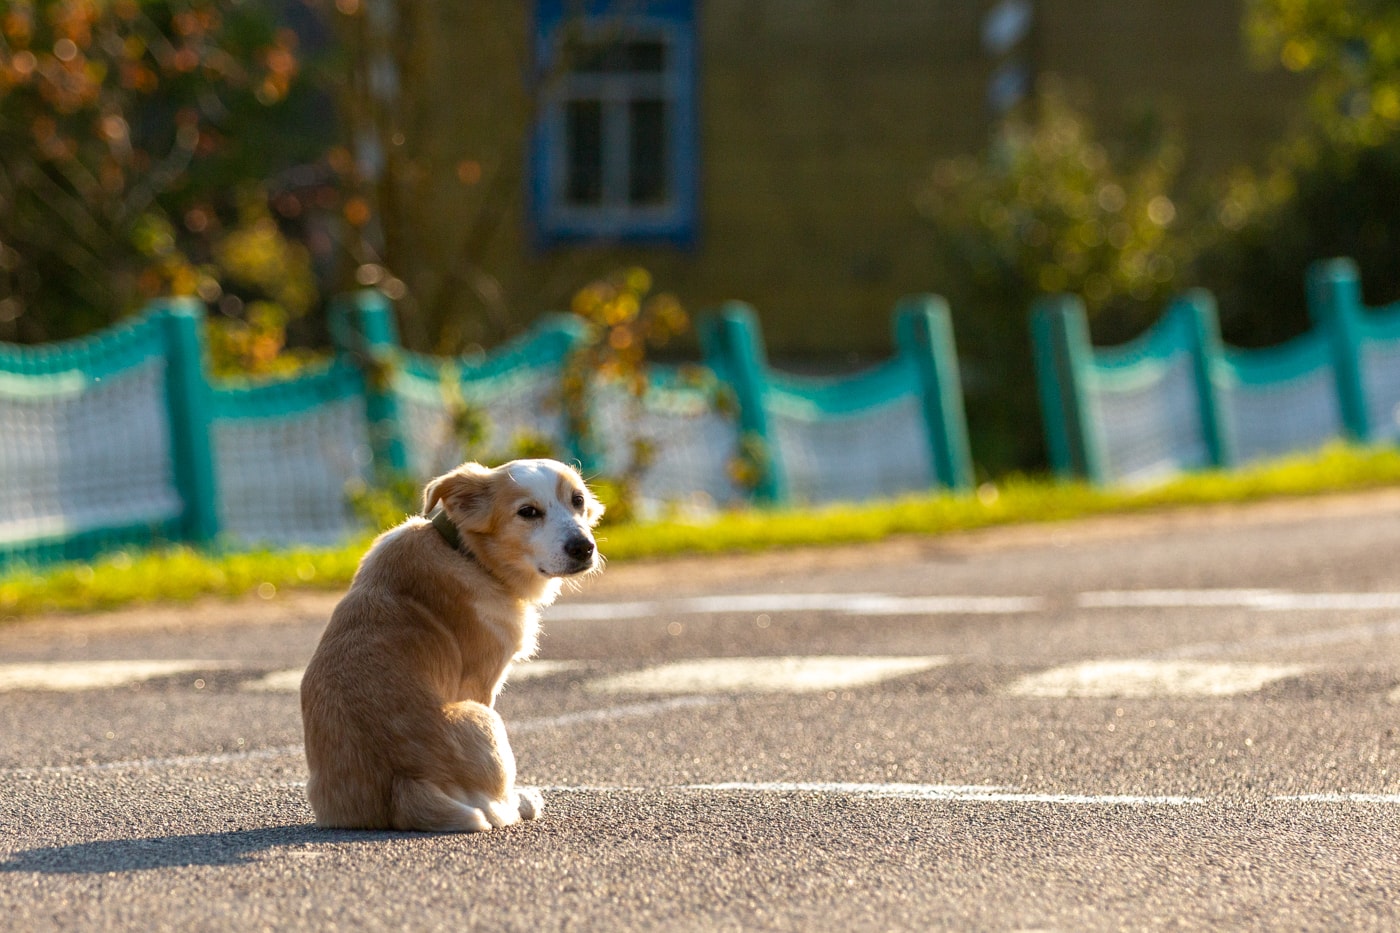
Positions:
(521, 403)
(879, 451)
(283, 479)
(79, 452)
(690, 443)
(1281, 400)
(1380, 373)
(1150, 420)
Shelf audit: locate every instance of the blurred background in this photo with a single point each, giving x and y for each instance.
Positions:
(482, 161)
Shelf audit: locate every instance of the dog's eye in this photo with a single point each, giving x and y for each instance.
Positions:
(578, 500)
(529, 512)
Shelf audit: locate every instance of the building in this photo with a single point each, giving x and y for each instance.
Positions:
(762, 150)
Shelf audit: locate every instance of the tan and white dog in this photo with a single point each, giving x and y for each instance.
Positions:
(397, 701)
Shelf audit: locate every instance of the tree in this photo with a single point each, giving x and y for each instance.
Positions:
(135, 138)
(433, 186)
(1046, 209)
(1350, 48)
(1332, 189)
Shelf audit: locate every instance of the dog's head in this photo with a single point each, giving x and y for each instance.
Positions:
(527, 519)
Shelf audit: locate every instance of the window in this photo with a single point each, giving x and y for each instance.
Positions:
(614, 154)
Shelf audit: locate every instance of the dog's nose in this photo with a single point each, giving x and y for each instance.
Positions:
(579, 548)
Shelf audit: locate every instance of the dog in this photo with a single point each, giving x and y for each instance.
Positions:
(397, 702)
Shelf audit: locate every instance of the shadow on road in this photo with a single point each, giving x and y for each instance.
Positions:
(227, 848)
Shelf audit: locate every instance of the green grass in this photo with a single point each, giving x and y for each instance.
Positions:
(178, 574)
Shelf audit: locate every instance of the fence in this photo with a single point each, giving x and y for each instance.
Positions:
(895, 428)
(1177, 399)
(122, 438)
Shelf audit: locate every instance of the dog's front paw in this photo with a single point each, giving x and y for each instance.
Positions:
(531, 803)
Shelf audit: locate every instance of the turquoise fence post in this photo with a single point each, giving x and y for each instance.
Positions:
(363, 328)
(1207, 356)
(1063, 355)
(734, 344)
(924, 336)
(1334, 302)
(189, 406)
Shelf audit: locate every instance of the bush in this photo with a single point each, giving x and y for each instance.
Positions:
(1332, 190)
(1045, 209)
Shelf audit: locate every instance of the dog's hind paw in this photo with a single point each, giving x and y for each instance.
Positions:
(531, 803)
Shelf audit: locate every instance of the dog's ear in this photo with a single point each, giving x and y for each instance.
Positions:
(465, 494)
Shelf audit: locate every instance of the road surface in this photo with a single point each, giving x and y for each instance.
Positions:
(1183, 722)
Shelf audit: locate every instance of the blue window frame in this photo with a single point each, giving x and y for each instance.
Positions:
(615, 154)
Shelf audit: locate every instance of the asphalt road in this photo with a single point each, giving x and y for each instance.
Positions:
(1126, 724)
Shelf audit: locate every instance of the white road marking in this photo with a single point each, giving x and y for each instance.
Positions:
(882, 604)
(1385, 799)
(969, 793)
(1173, 599)
(764, 675)
(289, 681)
(848, 603)
(614, 713)
(1262, 600)
(95, 675)
(947, 605)
(937, 793)
(564, 720)
(1148, 678)
(948, 792)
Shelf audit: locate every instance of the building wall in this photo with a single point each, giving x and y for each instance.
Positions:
(819, 119)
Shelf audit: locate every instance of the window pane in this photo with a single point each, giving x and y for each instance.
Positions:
(648, 57)
(619, 57)
(648, 182)
(583, 143)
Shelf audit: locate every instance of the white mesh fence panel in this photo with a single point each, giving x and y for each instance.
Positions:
(692, 446)
(878, 452)
(81, 454)
(283, 479)
(524, 402)
(1380, 374)
(1150, 421)
(1281, 417)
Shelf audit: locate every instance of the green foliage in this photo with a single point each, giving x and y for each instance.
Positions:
(1315, 203)
(625, 323)
(1331, 190)
(1350, 49)
(1047, 208)
(127, 163)
(386, 502)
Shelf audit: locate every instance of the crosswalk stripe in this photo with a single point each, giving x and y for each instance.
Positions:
(1122, 677)
(883, 604)
(289, 681)
(1263, 600)
(764, 675)
(1131, 678)
(848, 603)
(96, 675)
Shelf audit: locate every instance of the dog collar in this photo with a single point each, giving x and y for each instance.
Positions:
(449, 532)
(453, 537)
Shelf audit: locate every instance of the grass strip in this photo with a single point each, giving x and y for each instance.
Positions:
(182, 574)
